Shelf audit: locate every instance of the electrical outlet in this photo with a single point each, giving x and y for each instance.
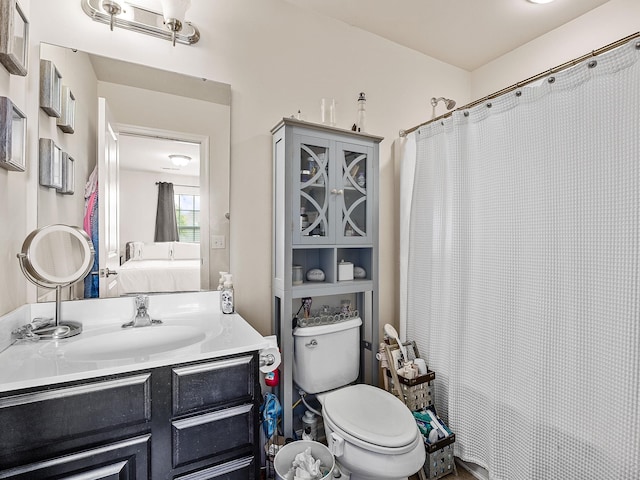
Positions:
(217, 241)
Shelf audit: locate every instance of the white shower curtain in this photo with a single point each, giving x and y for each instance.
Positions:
(523, 274)
(405, 152)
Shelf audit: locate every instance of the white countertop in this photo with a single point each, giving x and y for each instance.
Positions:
(27, 364)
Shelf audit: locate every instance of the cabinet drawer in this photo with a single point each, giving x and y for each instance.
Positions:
(125, 460)
(39, 418)
(208, 435)
(241, 469)
(206, 385)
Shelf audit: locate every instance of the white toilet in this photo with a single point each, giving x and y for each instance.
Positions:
(371, 433)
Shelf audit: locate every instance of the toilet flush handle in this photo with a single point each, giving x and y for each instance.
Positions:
(336, 446)
(312, 344)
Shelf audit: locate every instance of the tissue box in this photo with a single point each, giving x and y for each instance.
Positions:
(345, 271)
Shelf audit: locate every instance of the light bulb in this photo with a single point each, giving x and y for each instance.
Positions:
(180, 160)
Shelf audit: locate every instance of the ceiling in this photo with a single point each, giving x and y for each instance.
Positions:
(464, 33)
(149, 154)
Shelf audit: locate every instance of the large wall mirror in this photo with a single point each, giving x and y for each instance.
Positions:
(151, 142)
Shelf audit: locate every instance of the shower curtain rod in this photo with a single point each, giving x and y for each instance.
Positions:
(559, 68)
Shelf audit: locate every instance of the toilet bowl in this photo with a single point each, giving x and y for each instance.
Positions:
(371, 433)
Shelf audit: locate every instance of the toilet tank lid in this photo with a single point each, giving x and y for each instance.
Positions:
(330, 328)
(371, 415)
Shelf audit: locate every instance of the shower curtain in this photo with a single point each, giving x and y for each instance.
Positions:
(523, 283)
(166, 222)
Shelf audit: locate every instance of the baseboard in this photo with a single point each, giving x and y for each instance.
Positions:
(476, 470)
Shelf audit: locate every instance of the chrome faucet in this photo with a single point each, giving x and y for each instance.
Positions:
(141, 318)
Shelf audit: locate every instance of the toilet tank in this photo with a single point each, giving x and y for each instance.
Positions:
(326, 357)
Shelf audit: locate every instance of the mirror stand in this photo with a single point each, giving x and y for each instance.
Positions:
(37, 251)
(43, 327)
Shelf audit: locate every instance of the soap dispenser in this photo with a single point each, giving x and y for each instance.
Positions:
(221, 281)
(226, 295)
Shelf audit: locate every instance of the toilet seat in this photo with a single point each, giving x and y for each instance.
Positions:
(371, 418)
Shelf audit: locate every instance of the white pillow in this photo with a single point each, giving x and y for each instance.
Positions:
(156, 251)
(134, 250)
(185, 251)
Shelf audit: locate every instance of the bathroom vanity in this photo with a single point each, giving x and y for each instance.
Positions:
(184, 407)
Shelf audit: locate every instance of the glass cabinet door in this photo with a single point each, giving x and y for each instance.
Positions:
(354, 194)
(311, 195)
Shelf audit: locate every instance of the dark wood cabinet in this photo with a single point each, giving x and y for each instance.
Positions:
(195, 420)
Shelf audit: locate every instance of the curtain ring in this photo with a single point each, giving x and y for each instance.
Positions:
(518, 93)
(592, 63)
(551, 79)
(489, 105)
(466, 113)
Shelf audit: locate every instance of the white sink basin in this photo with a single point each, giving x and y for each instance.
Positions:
(133, 342)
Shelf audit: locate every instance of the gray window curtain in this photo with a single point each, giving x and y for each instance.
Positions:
(166, 223)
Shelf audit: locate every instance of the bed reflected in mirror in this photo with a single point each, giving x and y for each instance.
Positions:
(157, 128)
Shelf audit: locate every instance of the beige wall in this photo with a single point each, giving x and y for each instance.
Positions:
(16, 198)
(601, 26)
(279, 59)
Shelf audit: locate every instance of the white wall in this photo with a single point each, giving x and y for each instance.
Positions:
(77, 72)
(601, 26)
(139, 202)
(16, 197)
(278, 59)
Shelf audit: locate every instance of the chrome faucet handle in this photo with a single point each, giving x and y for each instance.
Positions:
(141, 317)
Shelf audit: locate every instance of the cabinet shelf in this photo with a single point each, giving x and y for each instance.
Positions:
(310, 289)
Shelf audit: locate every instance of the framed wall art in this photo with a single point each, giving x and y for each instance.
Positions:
(50, 89)
(68, 175)
(50, 160)
(14, 37)
(68, 112)
(13, 134)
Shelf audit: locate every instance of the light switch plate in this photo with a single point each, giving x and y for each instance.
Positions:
(217, 241)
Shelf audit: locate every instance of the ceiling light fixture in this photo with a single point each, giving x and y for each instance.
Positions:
(180, 160)
(168, 24)
(113, 9)
(173, 12)
(540, 1)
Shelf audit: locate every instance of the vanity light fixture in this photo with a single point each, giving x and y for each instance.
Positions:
(168, 24)
(180, 160)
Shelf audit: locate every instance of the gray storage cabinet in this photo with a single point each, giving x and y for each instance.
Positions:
(325, 211)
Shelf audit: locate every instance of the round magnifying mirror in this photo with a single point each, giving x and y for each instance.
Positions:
(56, 256)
